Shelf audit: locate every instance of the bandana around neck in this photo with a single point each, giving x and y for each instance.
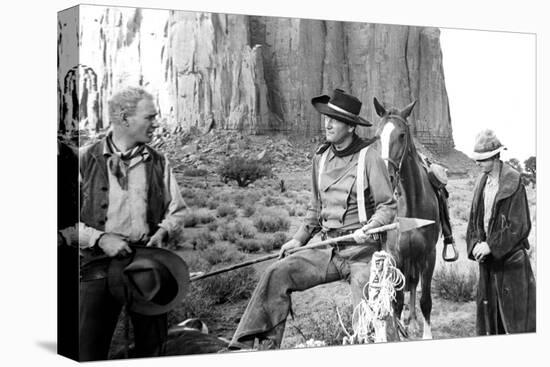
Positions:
(356, 145)
(119, 162)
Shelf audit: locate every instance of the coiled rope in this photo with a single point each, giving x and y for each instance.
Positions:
(368, 318)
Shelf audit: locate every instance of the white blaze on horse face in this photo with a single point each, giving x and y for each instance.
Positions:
(385, 141)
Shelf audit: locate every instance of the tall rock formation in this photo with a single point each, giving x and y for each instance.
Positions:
(255, 74)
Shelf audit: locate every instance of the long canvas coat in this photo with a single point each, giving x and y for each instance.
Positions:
(506, 280)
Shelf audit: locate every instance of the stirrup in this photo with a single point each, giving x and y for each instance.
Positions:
(445, 253)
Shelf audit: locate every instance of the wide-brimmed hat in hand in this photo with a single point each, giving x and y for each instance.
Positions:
(151, 281)
(486, 145)
(340, 106)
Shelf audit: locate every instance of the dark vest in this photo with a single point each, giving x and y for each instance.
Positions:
(94, 190)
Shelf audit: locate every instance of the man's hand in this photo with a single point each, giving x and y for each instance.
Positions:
(360, 235)
(481, 249)
(113, 244)
(158, 239)
(293, 243)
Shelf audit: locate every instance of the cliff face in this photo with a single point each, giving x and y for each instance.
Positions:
(258, 74)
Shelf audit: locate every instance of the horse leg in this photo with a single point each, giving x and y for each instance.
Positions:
(399, 303)
(426, 297)
(413, 322)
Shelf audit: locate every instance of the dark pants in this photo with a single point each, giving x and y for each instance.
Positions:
(99, 313)
(269, 306)
(442, 195)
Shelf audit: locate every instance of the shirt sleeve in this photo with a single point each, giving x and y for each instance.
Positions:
(86, 236)
(310, 225)
(173, 218)
(380, 189)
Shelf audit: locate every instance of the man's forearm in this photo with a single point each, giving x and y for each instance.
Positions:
(173, 218)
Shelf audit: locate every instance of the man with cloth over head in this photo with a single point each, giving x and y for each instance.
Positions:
(128, 197)
(335, 210)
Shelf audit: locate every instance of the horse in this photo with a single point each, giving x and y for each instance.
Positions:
(414, 251)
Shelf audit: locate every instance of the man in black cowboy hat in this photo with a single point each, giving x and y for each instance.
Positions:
(351, 192)
(496, 237)
(128, 197)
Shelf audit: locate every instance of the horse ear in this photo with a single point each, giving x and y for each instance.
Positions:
(379, 107)
(407, 110)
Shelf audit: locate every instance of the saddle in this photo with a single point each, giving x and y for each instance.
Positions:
(437, 174)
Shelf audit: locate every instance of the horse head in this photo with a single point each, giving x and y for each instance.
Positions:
(395, 137)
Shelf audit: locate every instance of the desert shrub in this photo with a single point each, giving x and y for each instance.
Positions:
(239, 198)
(455, 285)
(249, 210)
(303, 198)
(278, 239)
(190, 220)
(272, 201)
(201, 216)
(249, 244)
(290, 194)
(229, 287)
(324, 325)
(202, 239)
(195, 198)
(177, 239)
(460, 212)
(212, 203)
(233, 231)
(291, 210)
(195, 304)
(212, 226)
(194, 172)
(221, 253)
(272, 221)
(204, 216)
(300, 211)
(243, 170)
(226, 210)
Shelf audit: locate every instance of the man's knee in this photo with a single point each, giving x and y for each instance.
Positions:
(359, 276)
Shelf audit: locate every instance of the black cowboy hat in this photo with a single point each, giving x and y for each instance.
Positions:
(340, 106)
(150, 281)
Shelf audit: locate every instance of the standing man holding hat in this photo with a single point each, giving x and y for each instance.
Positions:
(128, 197)
(497, 239)
(351, 193)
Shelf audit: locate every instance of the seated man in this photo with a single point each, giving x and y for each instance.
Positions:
(341, 204)
(128, 196)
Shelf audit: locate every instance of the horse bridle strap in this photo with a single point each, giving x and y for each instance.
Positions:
(395, 165)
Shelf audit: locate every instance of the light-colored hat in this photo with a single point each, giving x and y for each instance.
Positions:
(487, 145)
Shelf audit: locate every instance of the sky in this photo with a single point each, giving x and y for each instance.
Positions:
(490, 79)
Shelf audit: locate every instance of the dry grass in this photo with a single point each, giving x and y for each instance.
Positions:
(270, 220)
(452, 283)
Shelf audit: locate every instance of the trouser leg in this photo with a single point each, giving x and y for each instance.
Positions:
(150, 334)
(359, 277)
(444, 216)
(270, 304)
(99, 313)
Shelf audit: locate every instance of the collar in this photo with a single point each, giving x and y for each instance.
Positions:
(109, 148)
(508, 182)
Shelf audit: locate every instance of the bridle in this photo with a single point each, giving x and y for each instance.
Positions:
(397, 166)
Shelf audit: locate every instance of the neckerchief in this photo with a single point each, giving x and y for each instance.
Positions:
(356, 145)
(119, 162)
